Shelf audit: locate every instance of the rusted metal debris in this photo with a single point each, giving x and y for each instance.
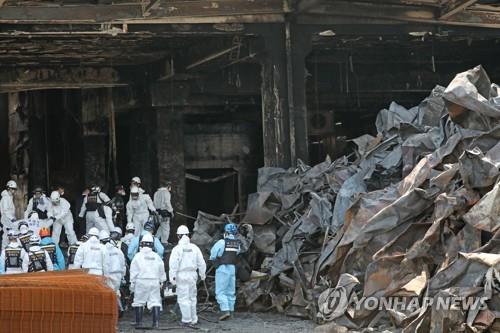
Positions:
(412, 213)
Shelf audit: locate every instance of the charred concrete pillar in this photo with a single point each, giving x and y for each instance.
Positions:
(36, 105)
(284, 113)
(170, 146)
(275, 112)
(95, 136)
(142, 147)
(168, 99)
(18, 149)
(298, 46)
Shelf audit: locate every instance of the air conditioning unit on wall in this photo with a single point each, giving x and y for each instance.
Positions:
(320, 123)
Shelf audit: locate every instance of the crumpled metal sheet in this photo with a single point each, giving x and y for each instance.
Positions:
(485, 214)
(478, 170)
(261, 208)
(407, 214)
(333, 302)
(472, 90)
(394, 117)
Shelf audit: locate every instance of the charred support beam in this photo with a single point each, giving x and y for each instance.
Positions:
(275, 112)
(18, 149)
(197, 11)
(95, 130)
(170, 154)
(403, 13)
(284, 112)
(4, 138)
(298, 46)
(142, 140)
(22, 79)
(455, 6)
(37, 148)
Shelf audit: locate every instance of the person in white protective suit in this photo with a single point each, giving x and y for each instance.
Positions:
(147, 275)
(185, 265)
(95, 211)
(161, 200)
(136, 181)
(7, 210)
(39, 204)
(60, 213)
(14, 259)
(115, 265)
(39, 259)
(139, 207)
(129, 234)
(91, 255)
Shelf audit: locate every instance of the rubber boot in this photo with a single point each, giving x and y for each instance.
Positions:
(139, 312)
(225, 315)
(156, 317)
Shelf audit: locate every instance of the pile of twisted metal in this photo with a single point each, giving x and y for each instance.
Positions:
(413, 213)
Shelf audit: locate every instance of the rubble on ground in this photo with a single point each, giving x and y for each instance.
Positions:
(414, 212)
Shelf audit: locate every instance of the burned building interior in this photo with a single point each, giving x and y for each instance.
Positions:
(203, 93)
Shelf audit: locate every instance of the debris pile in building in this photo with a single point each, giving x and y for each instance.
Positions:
(413, 214)
(65, 301)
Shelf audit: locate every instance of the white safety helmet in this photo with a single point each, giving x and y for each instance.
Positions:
(55, 197)
(103, 235)
(12, 234)
(118, 230)
(130, 226)
(93, 232)
(34, 239)
(136, 180)
(147, 241)
(12, 184)
(23, 229)
(182, 230)
(34, 216)
(147, 238)
(134, 192)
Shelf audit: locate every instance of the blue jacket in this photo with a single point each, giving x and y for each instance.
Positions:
(133, 247)
(59, 264)
(217, 251)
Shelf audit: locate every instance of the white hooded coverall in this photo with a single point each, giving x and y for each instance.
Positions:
(23, 256)
(161, 200)
(147, 273)
(91, 255)
(8, 212)
(138, 211)
(44, 205)
(115, 266)
(93, 219)
(63, 218)
(185, 260)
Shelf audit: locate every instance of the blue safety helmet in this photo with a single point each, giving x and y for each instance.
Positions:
(149, 225)
(231, 229)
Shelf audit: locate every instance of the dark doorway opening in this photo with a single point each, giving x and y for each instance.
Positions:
(216, 193)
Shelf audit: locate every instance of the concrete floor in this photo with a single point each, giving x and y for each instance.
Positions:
(243, 322)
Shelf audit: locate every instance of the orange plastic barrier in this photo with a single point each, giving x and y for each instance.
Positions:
(52, 302)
